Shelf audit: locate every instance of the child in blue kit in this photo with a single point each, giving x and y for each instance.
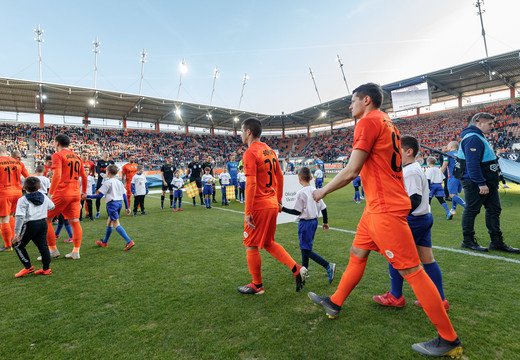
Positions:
(307, 211)
(207, 180)
(178, 184)
(114, 192)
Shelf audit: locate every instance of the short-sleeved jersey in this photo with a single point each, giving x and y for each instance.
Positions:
(320, 163)
(415, 183)
(451, 162)
(305, 204)
(47, 169)
(207, 179)
(10, 175)
(168, 170)
(129, 170)
(195, 169)
(113, 190)
(45, 184)
(90, 168)
(101, 166)
(241, 177)
(435, 175)
(139, 182)
(208, 165)
(263, 169)
(232, 167)
(289, 169)
(224, 178)
(382, 171)
(71, 169)
(177, 183)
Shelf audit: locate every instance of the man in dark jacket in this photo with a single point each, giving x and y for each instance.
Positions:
(480, 179)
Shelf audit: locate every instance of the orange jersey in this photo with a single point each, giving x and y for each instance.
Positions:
(69, 168)
(90, 168)
(264, 178)
(47, 169)
(129, 170)
(11, 171)
(382, 171)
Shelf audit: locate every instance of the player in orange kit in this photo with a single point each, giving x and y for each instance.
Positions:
(383, 226)
(128, 172)
(11, 172)
(66, 194)
(264, 189)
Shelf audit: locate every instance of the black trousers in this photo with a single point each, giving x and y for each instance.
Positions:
(474, 201)
(37, 232)
(89, 208)
(139, 201)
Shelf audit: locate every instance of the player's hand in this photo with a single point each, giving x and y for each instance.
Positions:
(249, 222)
(280, 207)
(127, 211)
(319, 194)
(325, 227)
(16, 238)
(484, 190)
(164, 183)
(83, 196)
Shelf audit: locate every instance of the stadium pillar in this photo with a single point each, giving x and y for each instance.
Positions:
(236, 134)
(331, 128)
(512, 92)
(212, 130)
(283, 134)
(157, 128)
(124, 123)
(308, 131)
(41, 120)
(460, 101)
(418, 111)
(187, 130)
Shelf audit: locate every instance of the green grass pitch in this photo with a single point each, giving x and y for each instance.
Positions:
(173, 296)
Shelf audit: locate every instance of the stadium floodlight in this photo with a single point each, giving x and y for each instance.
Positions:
(338, 59)
(144, 54)
(92, 102)
(183, 69)
(315, 87)
(236, 119)
(178, 112)
(479, 13)
(38, 38)
(323, 114)
(96, 51)
(243, 86)
(215, 77)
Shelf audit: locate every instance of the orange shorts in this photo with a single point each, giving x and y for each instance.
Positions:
(389, 235)
(68, 206)
(265, 227)
(8, 203)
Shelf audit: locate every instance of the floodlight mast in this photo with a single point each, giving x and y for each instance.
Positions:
(39, 33)
(479, 13)
(315, 87)
(243, 86)
(215, 77)
(144, 54)
(96, 51)
(183, 69)
(343, 73)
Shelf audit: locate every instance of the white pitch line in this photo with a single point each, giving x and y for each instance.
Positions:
(433, 246)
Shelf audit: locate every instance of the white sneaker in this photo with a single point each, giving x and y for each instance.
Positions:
(73, 255)
(453, 212)
(54, 254)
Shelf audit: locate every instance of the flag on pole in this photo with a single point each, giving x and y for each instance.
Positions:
(192, 190)
(230, 192)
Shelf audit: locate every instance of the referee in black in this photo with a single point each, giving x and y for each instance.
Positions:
(101, 171)
(194, 171)
(167, 171)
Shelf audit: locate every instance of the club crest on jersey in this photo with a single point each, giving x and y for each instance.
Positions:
(246, 235)
(389, 254)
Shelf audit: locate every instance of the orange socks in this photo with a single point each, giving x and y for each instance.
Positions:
(254, 261)
(7, 234)
(12, 222)
(77, 234)
(349, 280)
(279, 253)
(431, 301)
(51, 237)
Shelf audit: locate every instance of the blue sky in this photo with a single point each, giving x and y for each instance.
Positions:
(274, 42)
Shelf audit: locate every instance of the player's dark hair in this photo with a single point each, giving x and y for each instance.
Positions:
(240, 167)
(48, 157)
(40, 168)
(409, 142)
(372, 90)
(112, 169)
(31, 184)
(207, 169)
(305, 173)
(62, 139)
(254, 125)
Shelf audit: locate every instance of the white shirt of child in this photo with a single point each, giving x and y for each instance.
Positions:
(31, 212)
(45, 184)
(241, 177)
(90, 182)
(435, 175)
(139, 180)
(224, 178)
(415, 183)
(318, 174)
(306, 205)
(177, 182)
(113, 189)
(207, 179)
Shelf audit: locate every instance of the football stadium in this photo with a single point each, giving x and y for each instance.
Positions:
(188, 184)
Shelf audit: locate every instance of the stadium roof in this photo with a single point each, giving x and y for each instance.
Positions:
(494, 73)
